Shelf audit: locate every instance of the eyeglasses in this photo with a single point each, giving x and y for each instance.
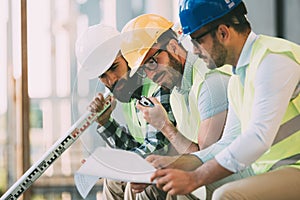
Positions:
(197, 40)
(151, 63)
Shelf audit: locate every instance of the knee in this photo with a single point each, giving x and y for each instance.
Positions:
(226, 192)
(112, 184)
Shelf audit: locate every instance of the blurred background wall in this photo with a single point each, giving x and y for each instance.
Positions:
(42, 93)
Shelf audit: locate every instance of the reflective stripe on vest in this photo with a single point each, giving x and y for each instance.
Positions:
(186, 115)
(241, 99)
(135, 121)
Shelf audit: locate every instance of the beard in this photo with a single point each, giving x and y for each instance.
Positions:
(126, 88)
(171, 75)
(220, 54)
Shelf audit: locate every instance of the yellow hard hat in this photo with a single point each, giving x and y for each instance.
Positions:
(96, 49)
(139, 35)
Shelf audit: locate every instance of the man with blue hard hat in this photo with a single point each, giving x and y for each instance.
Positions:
(264, 106)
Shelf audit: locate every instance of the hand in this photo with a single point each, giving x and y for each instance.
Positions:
(98, 104)
(187, 162)
(156, 116)
(138, 187)
(160, 162)
(175, 181)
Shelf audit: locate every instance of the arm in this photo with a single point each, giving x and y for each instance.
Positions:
(211, 129)
(212, 106)
(112, 133)
(276, 80)
(272, 96)
(158, 118)
(177, 173)
(175, 181)
(155, 141)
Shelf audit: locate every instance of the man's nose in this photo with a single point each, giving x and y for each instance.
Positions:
(111, 79)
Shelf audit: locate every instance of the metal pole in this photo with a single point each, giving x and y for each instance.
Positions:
(280, 18)
(55, 151)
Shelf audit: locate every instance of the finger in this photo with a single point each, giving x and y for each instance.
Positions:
(138, 186)
(139, 106)
(99, 100)
(157, 175)
(164, 175)
(166, 187)
(113, 102)
(154, 100)
(135, 191)
(150, 158)
(92, 107)
(100, 96)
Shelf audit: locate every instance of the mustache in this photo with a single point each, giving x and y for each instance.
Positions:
(123, 89)
(157, 76)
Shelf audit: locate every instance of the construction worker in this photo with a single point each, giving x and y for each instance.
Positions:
(199, 95)
(263, 106)
(98, 53)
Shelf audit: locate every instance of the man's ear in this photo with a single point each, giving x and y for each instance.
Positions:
(223, 32)
(173, 46)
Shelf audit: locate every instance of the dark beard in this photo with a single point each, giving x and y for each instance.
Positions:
(222, 53)
(177, 68)
(129, 87)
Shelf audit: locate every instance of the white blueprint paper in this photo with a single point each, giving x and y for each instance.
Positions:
(112, 164)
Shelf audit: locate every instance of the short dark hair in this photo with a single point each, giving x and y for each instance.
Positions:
(236, 19)
(167, 36)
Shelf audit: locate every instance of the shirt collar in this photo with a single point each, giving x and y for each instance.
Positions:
(187, 77)
(246, 52)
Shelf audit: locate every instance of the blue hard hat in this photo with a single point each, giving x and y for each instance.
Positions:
(194, 14)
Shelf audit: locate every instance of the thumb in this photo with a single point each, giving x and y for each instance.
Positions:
(154, 100)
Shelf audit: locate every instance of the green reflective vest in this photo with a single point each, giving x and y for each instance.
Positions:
(135, 121)
(187, 114)
(242, 97)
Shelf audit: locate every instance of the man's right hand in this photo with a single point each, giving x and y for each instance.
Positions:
(97, 105)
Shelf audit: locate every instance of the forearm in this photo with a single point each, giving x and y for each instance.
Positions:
(209, 172)
(180, 143)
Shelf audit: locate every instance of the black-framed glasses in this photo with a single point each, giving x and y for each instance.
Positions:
(151, 63)
(197, 40)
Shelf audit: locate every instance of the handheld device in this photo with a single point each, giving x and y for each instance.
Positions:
(55, 151)
(144, 101)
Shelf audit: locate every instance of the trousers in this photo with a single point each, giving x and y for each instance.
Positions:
(279, 184)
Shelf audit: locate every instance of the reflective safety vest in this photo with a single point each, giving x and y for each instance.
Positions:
(187, 114)
(242, 97)
(135, 121)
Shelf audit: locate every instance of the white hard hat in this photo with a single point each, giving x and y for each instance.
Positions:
(97, 48)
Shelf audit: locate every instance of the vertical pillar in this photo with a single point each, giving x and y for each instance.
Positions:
(280, 17)
(23, 101)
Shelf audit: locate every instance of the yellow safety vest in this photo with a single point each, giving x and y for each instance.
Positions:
(135, 121)
(242, 97)
(187, 116)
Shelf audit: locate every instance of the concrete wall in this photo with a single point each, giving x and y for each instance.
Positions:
(261, 13)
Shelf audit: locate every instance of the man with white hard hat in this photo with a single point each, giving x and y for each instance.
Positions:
(98, 53)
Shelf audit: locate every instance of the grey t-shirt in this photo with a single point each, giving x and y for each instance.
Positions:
(213, 88)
